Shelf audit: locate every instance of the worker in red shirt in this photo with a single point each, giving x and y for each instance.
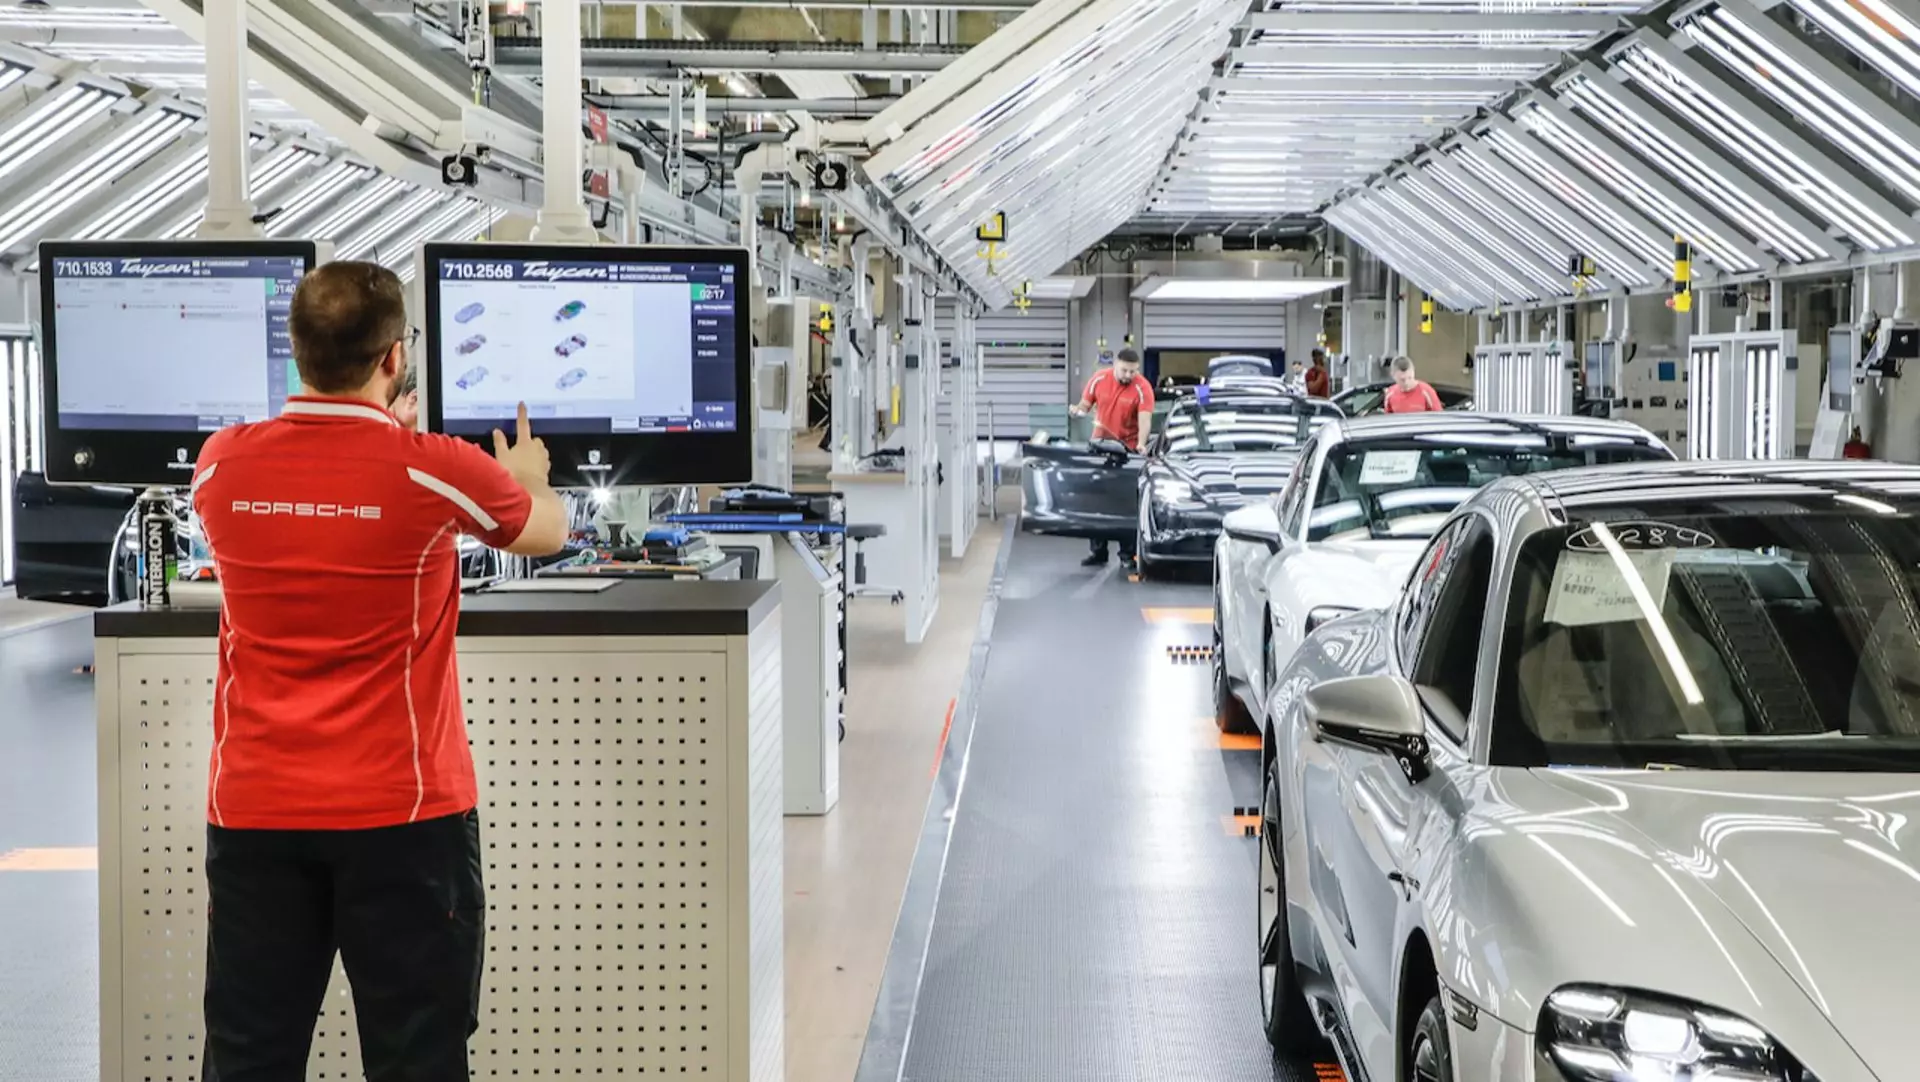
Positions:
(1319, 381)
(341, 800)
(1409, 393)
(1122, 406)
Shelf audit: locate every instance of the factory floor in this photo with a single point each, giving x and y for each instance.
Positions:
(844, 872)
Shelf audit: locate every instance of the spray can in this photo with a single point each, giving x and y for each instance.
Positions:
(157, 556)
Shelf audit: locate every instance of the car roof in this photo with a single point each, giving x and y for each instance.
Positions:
(1784, 484)
(1468, 424)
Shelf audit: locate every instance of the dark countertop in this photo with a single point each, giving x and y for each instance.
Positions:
(629, 607)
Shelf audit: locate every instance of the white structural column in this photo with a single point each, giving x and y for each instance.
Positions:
(230, 210)
(563, 216)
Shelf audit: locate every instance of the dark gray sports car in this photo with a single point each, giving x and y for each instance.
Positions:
(1217, 451)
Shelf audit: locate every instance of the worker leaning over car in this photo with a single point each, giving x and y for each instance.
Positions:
(1122, 406)
(341, 800)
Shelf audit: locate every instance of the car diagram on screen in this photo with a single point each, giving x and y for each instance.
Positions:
(569, 310)
(470, 313)
(571, 379)
(470, 345)
(472, 378)
(573, 344)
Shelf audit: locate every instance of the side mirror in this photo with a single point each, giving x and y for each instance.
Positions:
(1379, 713)
(1255, 523)
(1111, 448)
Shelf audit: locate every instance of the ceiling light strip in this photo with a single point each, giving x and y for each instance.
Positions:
(1523, 192)
(1545, 278)
(364, 201)
(1465, 249)
(1805, 174)
(123, 217)
(1644, 238)
(1878, 32)
(52, 122)
(1690, 162)
(315, 195)
(131, 146)
(1382, 243)
(1417, 247)
(1472, 194)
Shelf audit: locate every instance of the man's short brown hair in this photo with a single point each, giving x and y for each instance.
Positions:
(345, 317)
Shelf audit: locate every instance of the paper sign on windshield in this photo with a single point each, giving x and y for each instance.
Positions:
(1591, 588)
(1389, 467)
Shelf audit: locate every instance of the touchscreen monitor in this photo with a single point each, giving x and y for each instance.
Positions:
(632, 362)
(150, 347)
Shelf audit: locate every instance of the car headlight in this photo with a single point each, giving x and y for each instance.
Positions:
(1326, 613)
(1595, 1034)
(1173, 490)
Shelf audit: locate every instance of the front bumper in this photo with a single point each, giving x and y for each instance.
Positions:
(1181, 535)
(1497, 1052)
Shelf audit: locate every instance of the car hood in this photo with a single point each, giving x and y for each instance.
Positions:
(1392, 560)
(1786, 897)
(1235, 477)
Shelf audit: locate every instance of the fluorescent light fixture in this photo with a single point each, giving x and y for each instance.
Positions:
(264, 176)
(316, 193)
(1881, 33)
(10, 74)
(1633, 184)
(373, 196)
(1546, 279)
(1790, 72)
(368, 241)
(1061, 288)
(1656, 248)
(1161, 288)
(1466, 7)
(1806, 174)
(1694, 166)
(153, 197)
(53, 120)
(125, 150)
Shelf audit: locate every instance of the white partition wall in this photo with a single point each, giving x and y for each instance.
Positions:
(1216, 325)
(20, 437)
(1740, 395)
(1523, 377)
(1024, 357)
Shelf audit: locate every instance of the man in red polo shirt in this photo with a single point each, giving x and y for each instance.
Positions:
(1122, 406)
(341, 800)
(1409, 393)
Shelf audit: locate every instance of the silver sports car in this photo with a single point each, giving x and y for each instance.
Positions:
(1624, 786)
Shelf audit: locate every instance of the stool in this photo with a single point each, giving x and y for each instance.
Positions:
(857, 533)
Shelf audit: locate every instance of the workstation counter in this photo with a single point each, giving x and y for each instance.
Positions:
(628, 746)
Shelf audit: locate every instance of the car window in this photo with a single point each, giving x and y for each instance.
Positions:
(1291, 503)
(1422, 587)
(1404, 487)
(1363, 402)
(1446, 647)
(1784, 639)
(1240, 424)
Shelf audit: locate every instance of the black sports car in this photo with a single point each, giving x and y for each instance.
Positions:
(1370, 398)
(1215, 453)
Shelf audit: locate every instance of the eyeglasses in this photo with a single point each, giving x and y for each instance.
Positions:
(413, 337)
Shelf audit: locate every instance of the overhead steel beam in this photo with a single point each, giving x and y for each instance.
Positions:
(1431, 22)
(617, 57)
(650, 105)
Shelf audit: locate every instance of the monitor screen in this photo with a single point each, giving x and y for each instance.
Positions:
(632, 362)
(151, 346)
(589, 346)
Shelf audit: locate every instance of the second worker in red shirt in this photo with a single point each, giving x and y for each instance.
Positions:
(1121, 402)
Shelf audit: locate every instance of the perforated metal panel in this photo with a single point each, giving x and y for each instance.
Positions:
(630, 809)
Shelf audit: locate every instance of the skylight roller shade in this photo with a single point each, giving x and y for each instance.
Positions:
(1696, 166)
(1789, 162)
(1822, 94)
(1612, 165)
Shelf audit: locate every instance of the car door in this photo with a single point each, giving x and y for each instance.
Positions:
(1078, 491)
(1243, 596)
(1287, 610)
(1437, 635)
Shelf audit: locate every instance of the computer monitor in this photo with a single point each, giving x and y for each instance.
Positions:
(632, 362)
(151, 346)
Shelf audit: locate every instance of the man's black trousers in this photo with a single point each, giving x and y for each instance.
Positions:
(404, 908)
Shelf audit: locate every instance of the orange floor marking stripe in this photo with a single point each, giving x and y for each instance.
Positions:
(1239, 742)
(1240, 826)
(1328, 1072)
(1178, 616)
(75, 859)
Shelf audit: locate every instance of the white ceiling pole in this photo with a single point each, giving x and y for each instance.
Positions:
(563, 216)
(230, 210)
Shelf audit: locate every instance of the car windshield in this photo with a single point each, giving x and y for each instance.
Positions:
(1787, 639)
(1405, 486)
(1249, 424)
